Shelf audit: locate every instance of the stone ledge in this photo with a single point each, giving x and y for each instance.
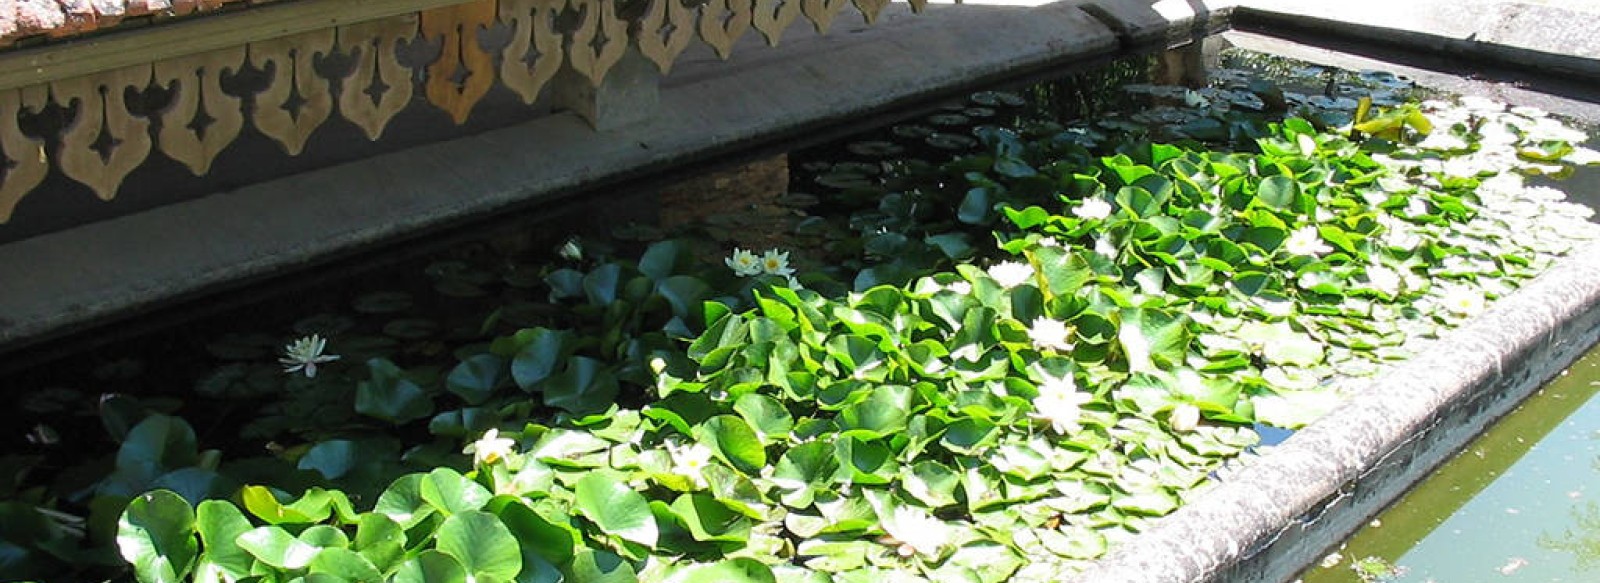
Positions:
(1553, 39)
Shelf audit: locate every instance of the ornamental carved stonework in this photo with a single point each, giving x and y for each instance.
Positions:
(192, 107)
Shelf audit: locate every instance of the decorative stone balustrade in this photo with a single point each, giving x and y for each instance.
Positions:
(187, 103)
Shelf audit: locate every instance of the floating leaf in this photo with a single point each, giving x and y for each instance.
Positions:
(482, 544)
(614, 507)
(157, 535)
(735, 442)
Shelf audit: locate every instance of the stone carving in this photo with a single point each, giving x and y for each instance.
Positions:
(378, 86)
(102, 112)
(722, 22)
(665, 31)
(535, 54)
(600, 40)
(297, 101)
(772, 17)
(21, 156)
(464, 73)
(201, 120)
(200, 115)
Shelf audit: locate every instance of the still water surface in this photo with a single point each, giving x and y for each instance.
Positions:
(1521, 503)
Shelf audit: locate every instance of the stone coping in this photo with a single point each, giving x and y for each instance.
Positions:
(1555, 37)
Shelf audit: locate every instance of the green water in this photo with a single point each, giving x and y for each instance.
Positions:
(1521, 503)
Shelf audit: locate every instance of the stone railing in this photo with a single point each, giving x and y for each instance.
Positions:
(96, 109)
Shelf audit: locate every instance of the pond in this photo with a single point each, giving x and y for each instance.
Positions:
(1517, 504)
(982, 343)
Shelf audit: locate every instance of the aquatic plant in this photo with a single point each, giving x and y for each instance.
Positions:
(944, 410)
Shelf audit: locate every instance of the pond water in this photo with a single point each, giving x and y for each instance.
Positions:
(1520, 503)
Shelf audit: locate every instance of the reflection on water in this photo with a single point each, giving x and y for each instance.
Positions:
(1521, 503)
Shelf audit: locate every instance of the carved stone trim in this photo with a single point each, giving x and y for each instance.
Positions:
(378, 86)
(22, 156)
(196, 85)
(366, 61)
(465, 72)
(102, 110)
(297, 101)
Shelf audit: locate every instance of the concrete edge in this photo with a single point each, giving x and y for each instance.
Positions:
(1270, 519)
(1500, 35)
(60, 283)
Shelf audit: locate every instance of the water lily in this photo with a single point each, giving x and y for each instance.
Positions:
(572, 250)
(1306, 242)
(1399, 234)
(917, 531)
(1463, 301)
(775, 263)
(1092, 209)
(959, 287)
(1047, 333)
(1062, 385)
(743, 263)
(1011, 274)
(1060, 410)
(490, 448)
(1384, 279)
(1184, 418)
(1416, 208)
(305, 354)
(690, 461)
(1105, 247)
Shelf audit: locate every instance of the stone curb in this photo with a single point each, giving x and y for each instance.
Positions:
(1550, 39)
(1270, 519)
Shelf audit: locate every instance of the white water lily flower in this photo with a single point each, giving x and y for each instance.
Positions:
(1011, 274)
(1184, 418)
(776, 263)
(305, 354)
(1092, 209)
(1399, 234)
(571, 250)
(1059, 408)
(1050, 334)
(743, 263)
(690, 461)
(1384, 279)
(1463, 301)
(960, 287)
(1058, 386)
(490, 448)
(917, 531)
(1306, 242)
(1105, 248)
